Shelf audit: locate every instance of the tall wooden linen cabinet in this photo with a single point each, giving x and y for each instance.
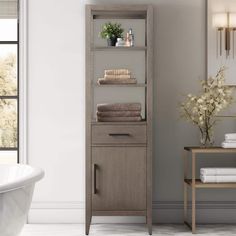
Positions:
(119, 154)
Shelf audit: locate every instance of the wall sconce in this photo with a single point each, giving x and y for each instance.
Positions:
(225, 23)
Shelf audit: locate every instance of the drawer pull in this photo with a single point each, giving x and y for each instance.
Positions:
(95, 179)
(119, 134)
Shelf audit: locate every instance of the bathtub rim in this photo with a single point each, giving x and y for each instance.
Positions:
(36, 175)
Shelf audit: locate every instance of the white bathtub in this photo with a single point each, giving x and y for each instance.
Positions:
(16, 190)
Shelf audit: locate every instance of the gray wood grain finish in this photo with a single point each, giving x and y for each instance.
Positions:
(124, 8)
(119, 123)
(121, 178)
(122, 151)
(88, 213)
(119, 213)
(149, 102)
(118, 134)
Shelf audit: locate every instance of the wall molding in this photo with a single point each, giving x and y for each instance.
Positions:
(199, 205)
(163, 212)
(23, 77)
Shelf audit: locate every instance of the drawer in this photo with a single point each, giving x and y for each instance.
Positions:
(118, 134)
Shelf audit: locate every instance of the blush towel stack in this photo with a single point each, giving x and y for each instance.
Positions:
(230, 141)
(118, 112)
(117, 76)
(218, 175)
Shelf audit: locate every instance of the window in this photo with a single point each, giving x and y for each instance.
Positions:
(9, 80)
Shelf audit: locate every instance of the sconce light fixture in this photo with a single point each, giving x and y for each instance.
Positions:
(225, 23)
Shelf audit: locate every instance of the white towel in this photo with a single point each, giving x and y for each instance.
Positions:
(218, 171)
(218, 179)
(230, 141)
(228, 145)
(231, 136)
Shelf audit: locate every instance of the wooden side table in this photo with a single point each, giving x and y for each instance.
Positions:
(194, 183)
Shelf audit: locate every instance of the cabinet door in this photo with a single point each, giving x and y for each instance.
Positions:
(119, 178)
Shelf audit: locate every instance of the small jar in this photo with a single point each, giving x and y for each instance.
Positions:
(120, 42)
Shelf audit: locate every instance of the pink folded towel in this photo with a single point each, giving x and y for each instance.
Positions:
(114, 77)
(117, 72)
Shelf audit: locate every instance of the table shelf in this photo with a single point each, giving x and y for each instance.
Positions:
(194, 151)
(210, 150)
(200, 184)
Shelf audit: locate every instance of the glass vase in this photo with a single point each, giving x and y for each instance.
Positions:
(206, 137)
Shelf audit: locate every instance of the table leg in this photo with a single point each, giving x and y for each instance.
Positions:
(185, 187)
(193, 195)
(185, 202)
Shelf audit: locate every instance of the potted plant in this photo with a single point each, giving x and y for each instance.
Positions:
(111, 32)
(202, 109)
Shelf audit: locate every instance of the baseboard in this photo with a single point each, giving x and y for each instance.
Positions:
(207, 212)
(56, 212)
(163, 212)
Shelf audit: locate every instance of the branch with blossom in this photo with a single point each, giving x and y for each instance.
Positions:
(202, 109)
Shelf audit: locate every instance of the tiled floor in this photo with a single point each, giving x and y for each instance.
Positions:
(124, 230)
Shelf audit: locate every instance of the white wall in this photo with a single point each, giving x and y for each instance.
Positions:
(56, 103)
(56, 106)
(215, 61)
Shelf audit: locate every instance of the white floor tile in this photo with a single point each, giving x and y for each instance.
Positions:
(124, 230)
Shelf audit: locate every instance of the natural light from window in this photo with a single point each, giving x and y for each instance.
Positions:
(8, 91)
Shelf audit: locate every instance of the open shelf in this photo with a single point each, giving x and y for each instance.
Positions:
(200, 184)
(142, 122)
(119, 15)
(139, 85)
(106, 48)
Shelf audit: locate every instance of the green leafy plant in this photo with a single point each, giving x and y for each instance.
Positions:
(110, 30)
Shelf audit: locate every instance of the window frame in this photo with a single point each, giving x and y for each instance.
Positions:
(17, 96)
(22, 82)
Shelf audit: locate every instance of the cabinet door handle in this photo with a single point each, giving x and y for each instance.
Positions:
(95, 179)
(119, 134)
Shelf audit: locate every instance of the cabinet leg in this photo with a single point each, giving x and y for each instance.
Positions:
(87, 225)
(149, 224)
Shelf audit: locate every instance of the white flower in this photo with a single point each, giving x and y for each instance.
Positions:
(202, 109)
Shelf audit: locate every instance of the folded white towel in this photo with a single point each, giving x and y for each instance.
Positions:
(230, 141)
(231, 136)
(228, 145)
(218, 171)
(218, 179)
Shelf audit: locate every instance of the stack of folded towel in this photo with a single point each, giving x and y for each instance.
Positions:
(230, 141)
(117, 76)
(218, 175)
(119, 112)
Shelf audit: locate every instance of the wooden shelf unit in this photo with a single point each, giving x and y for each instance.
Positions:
(195, 183)
(119, 154)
